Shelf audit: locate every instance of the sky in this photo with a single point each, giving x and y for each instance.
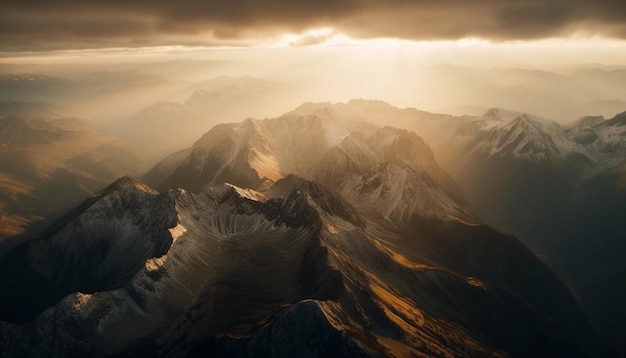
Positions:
(42, 25)
(433, 55)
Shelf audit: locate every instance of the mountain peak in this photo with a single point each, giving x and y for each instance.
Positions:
(329, 201)
(127, 182)
(247, 193)
(370, 103)
(204, 97)
(309, 108)
(586, 121)
(353, 109)
(217, 133)
(499, 114)
(619, 120)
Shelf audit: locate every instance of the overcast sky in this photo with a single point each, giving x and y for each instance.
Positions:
(70, 24)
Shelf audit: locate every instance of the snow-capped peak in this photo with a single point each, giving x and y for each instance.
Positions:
(248, 193)
(498, 117)
(587, 121)
(125, 183)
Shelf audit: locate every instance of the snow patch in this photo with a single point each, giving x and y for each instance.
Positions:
(80, 300)
(177, 231)
(155, 263)
(248, 193)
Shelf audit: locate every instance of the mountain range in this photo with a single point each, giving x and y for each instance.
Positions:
(309, 234)
(558, 188)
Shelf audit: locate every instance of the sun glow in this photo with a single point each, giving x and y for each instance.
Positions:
(325, 36)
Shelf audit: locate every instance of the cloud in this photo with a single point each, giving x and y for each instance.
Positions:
(44, 24)
(315, 37)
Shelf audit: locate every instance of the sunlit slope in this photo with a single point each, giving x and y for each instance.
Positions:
(391, 171)
(559, 188)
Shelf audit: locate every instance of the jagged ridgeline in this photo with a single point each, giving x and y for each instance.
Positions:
(305, 235)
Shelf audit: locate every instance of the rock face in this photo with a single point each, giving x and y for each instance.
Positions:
(381, 166)
(391, 172)
(561, 197)
(96, 247)
(295, 236)
(252, 152)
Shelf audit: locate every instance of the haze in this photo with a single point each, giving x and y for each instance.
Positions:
(561, 80)
(560, 60)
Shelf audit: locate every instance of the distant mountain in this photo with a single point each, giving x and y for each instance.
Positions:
(599, 141)
(167, 126)
(33, 87)
(102, 94)
(528, 175)
(160, 128)
(604, 140)
(590, 89)
(381, 167)
(251, 152)
(392, 172)
(34, 109)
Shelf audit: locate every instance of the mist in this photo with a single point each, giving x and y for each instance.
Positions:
(109, 86)
(156, 101)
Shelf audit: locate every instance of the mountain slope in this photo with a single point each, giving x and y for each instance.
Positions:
(251, 152)
(558, 188)
(51, 164)
(247, 273)
(93, 248)
(390, 176)
(391, 172)
(381, 166)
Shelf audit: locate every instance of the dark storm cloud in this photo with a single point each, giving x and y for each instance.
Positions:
(43, 24)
